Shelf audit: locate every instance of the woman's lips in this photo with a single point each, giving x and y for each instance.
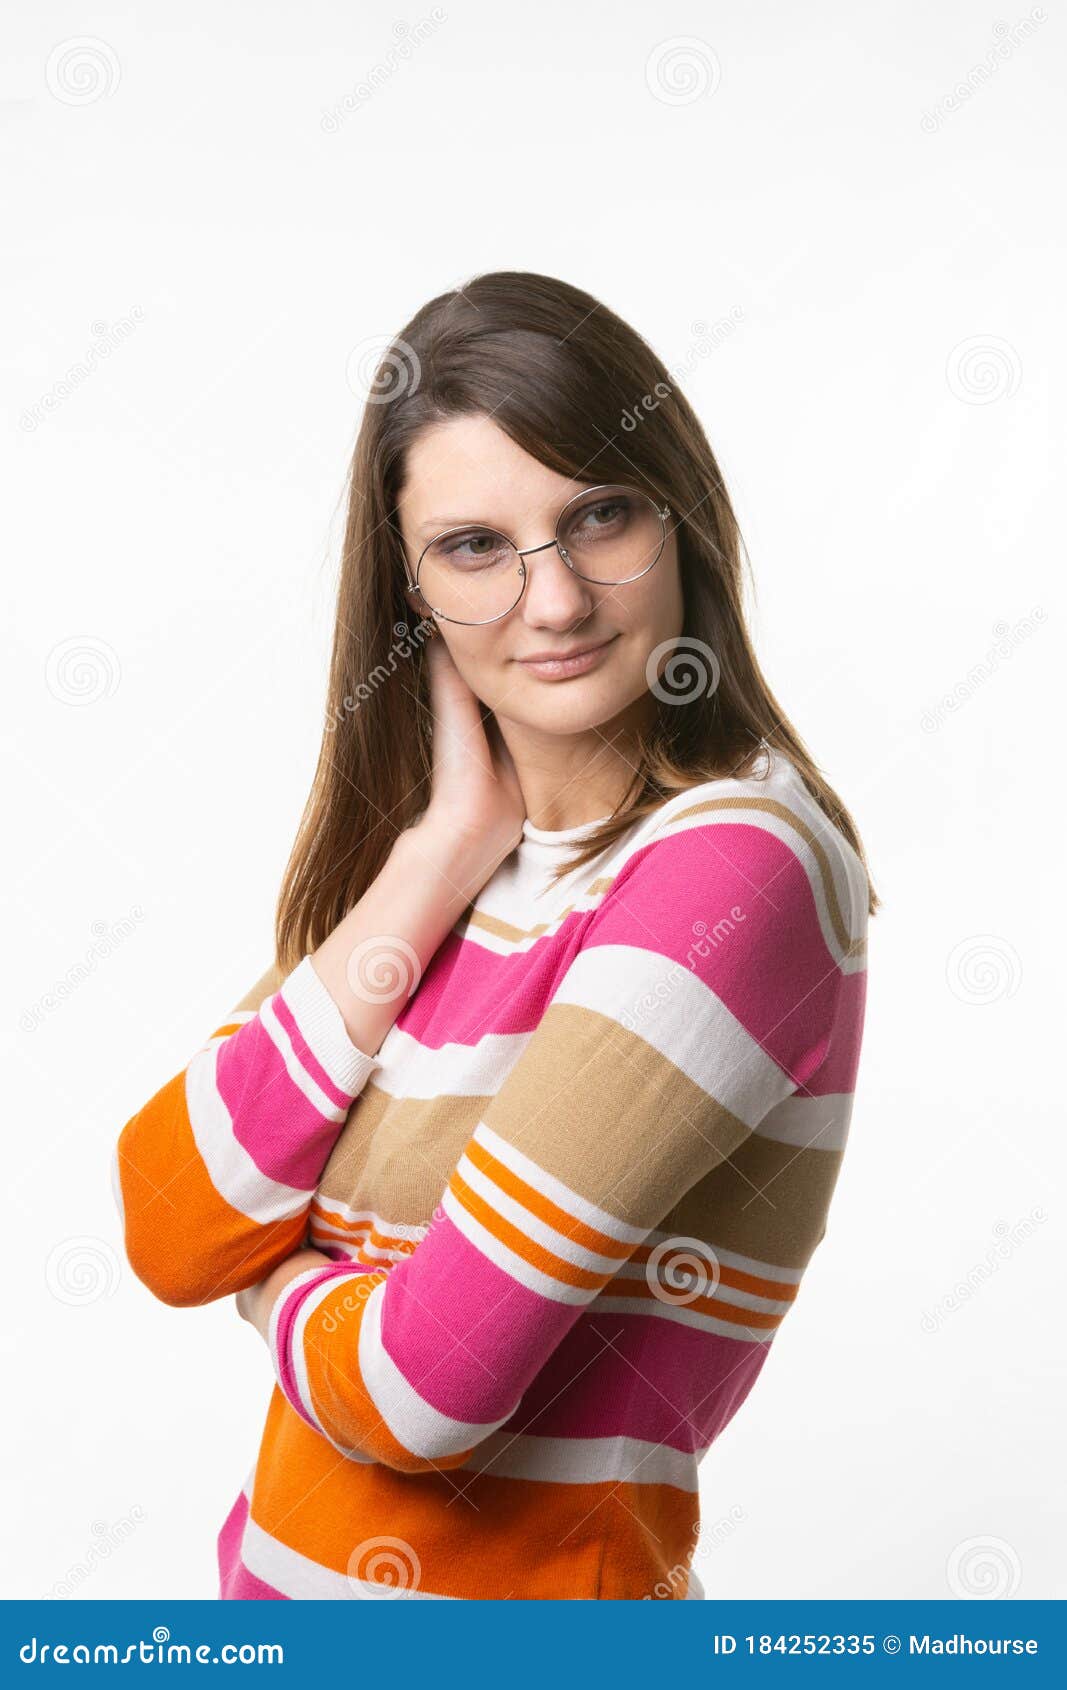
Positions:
(561, 669)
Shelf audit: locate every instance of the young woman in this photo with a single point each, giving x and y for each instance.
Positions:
(517, 1156)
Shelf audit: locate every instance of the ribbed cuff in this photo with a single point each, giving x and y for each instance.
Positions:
(323, 1027)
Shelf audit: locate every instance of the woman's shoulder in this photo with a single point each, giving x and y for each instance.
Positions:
(751, 829)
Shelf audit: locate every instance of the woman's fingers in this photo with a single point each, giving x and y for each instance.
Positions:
(458, 735)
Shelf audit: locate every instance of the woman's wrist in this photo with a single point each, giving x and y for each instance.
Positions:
(375, 957)
(463, 860)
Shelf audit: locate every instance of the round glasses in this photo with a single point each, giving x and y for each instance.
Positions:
(607, 534)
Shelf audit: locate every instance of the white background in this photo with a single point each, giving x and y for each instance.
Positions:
(883, 411)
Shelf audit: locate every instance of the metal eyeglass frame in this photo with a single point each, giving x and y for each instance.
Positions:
(458, 528)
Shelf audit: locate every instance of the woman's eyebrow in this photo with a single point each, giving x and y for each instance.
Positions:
(434, 524)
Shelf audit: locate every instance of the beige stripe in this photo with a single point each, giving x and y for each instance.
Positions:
(769, 1201)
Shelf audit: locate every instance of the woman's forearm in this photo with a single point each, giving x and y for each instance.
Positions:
(374, 958)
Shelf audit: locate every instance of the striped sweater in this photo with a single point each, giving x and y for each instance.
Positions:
(567, 1205)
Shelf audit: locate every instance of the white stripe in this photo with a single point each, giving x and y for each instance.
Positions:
(295, 1069)
(413, 1231)
(669, 1006)
(356, 1250)
(733, 1258)
(810, 1123)
(413, 1422)
(233, 1172)
(296, 1575)
(516, 1266)
(411, 1069)
(116, 1188)
(584, 1461)
(682, 1315)
(531, 1225)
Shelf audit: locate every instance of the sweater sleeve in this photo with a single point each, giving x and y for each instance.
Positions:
(214, 1176)
(699, 995)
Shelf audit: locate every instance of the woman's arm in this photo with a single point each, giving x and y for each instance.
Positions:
(214, 1176)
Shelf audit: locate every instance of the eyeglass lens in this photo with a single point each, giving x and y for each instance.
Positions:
(611, 535)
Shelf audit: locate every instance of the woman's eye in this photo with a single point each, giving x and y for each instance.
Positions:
(604, 515)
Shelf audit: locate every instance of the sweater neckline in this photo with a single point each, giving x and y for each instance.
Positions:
(561, 835)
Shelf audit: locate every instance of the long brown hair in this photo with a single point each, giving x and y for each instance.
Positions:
(579, 390)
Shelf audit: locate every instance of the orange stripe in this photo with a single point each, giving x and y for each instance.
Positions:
(600, 1243)
(175, 1216)
(364, 1232)
(739, 1280)
(639, 1290)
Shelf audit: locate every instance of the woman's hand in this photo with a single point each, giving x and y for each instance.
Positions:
(475, 796)
(254, 1304)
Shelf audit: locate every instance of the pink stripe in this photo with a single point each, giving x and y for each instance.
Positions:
(236, 1583)
(597, 1384)
(468, 992)
(282, 1131)
(306, 1056)
(501, 1330)
(838, 1072)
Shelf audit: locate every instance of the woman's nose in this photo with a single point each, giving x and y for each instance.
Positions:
(554, 595)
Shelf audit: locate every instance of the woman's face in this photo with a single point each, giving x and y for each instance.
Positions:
(467, 470)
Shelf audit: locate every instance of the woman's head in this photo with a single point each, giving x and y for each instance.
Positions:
(493, 407)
